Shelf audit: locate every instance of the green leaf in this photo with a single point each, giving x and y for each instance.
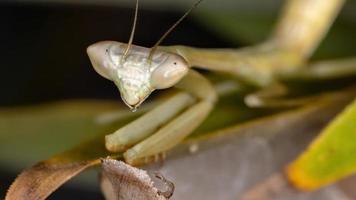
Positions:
(331, 156)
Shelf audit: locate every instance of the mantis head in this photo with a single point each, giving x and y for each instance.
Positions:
(137, 71)
(134, 75)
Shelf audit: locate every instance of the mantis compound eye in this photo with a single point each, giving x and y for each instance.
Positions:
(169, 72)
(98, 57)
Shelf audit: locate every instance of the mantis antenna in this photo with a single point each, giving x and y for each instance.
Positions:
(129, 44)
(153, 49)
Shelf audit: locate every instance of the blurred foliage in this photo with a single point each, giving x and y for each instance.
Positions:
(29, 134)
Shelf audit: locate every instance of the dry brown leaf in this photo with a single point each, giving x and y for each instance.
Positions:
(120, 181)
(42, 179)
(348, 186)
(39, 181)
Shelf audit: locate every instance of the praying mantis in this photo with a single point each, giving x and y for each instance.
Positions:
(138, 71)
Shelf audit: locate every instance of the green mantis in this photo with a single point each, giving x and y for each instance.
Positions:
(138, 71)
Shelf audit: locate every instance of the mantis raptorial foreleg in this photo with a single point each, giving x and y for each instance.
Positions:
(160, 140)
(145, 125)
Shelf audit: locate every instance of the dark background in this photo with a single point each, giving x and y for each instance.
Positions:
(43, 47)
(43, 55)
